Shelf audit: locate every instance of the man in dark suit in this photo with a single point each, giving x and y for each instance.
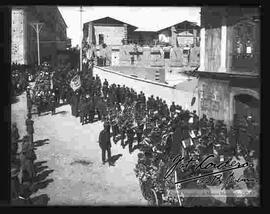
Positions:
(105, 143)
(30, 127)
(29, 101)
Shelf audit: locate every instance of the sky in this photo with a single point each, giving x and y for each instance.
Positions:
(151, 18)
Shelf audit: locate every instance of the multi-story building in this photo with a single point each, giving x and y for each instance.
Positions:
(229, 73)
(53, 37)
(107, 30)
(180, 34)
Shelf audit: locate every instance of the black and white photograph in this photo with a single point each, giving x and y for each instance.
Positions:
(135, 106)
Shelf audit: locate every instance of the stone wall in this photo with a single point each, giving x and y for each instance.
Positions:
(154, 57)
(148, 73)
(18, 37)
(214, 99)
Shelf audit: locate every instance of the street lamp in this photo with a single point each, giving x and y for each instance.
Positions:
(37, 27)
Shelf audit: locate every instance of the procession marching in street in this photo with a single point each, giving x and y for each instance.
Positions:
(159, 132)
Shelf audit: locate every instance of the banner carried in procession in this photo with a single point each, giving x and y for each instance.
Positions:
(75, 83)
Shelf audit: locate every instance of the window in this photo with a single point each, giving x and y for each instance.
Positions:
(245, 45)
(100, 39)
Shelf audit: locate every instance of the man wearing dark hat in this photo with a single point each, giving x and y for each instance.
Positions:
(29, 102)
(14, 138)
(105, 143)
(30, 127)
(57, 94)
(114, 123)
(118, 94)
(91, 110)
(74, 104)
(130, 137)
(172, 108)
(53, 103)
(82, 110)
(39, 104)
(139, 132)
(123, 131)
(105, 88)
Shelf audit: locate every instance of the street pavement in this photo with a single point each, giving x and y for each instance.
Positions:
(70, 153)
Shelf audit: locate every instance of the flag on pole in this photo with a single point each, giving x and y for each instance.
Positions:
(75, 83)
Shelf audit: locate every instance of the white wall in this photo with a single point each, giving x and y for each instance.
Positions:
(112, 35)
(169, 94)
(17, 37)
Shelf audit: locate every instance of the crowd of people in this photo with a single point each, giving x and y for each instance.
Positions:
(52, 85)
(21, 75)
(158, 130)
(161, 131)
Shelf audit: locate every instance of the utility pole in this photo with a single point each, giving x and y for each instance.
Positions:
(81, 29)
(37, 27)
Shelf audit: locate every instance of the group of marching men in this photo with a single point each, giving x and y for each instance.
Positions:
(131, 115)
(128, 114)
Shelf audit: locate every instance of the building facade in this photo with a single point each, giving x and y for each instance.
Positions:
(107, 31)
(180, 35)
(229, 72)
(52, 35)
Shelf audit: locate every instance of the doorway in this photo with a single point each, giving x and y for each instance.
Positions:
(245, 104)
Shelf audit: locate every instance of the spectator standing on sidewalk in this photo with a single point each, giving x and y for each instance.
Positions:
(30, 127)
(29, 101)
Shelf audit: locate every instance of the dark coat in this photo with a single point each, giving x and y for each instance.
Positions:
(104, 139)
(74, 104)
(172, 108)
(176, 140)
(29, 126)
(29, 102)
(101, 106)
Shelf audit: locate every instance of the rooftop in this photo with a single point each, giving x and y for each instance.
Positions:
(109, 20)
